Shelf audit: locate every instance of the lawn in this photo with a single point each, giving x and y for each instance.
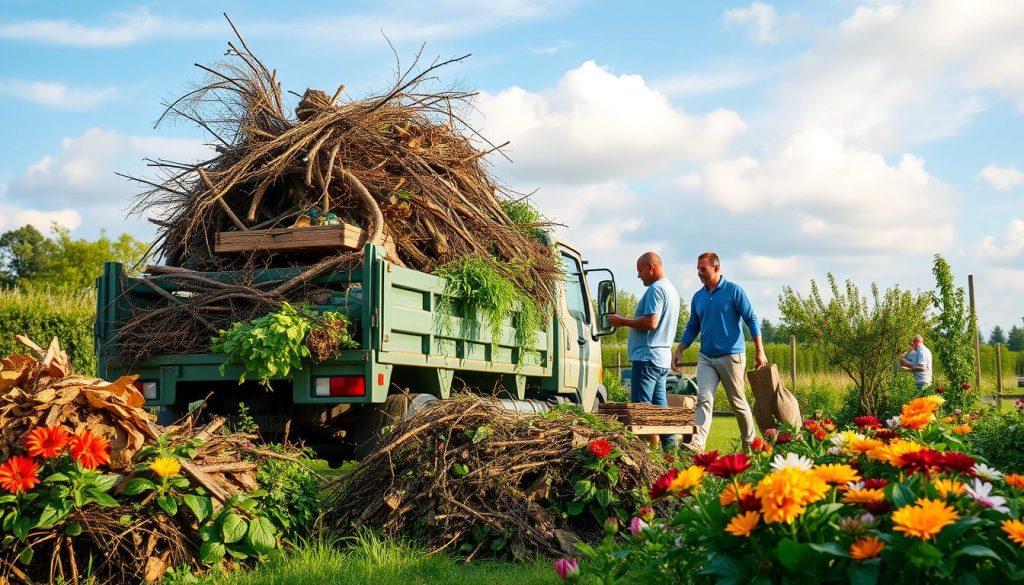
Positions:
(725, 434)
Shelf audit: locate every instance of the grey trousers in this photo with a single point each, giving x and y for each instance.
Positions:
(727, 370)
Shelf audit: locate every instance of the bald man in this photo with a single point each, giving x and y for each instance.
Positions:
(651, 332)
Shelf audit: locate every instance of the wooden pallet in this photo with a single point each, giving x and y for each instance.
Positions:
(311, 238)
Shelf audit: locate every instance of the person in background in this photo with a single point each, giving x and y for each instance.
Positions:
(651, 332)
(716, 313)
(919, 361)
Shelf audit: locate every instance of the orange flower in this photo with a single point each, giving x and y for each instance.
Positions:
(836, 473)
(687, 478)
(734, 493)
(90, 450)
(864, 496)
(1015, 530)
(1014, 480)
(865, 445)
(962, 429)
(743, 524)
(924, 519)
(917, 421)
(945, 487)
(19, 474)
(46, 442)
(866, 548)
(891, 453)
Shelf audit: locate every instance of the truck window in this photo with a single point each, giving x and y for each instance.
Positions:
(575, 300)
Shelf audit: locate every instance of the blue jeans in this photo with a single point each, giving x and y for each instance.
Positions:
(647, 384)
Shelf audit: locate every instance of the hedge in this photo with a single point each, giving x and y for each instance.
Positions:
(41, 315)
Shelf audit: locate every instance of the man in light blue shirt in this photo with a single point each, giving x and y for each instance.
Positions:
(919, 361)
(651, 332)
(716, 313)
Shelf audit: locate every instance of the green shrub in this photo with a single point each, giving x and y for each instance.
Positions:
(41, 315)
(998, 438)
(819, 396)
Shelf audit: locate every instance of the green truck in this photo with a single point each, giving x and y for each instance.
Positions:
(409, 354)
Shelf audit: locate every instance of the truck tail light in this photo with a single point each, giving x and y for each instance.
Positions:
(340, 386)
(149, 390)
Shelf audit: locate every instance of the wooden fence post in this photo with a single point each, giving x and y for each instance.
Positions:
(999, 377)
(792, 362)
(974, 329)
(618, 360)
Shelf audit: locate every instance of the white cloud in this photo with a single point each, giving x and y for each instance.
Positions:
(120, 29)
(595, 125)
(551, 49)
(57, 95)
(759, 17)
(1002, 178)
(702, 83)
(768, 267)
(1009, 248)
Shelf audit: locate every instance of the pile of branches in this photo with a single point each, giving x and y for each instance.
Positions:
(465, 467)
(123, 544)
(635, 413)
(400, 164)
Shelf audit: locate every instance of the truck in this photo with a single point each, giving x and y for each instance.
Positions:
(410, 352)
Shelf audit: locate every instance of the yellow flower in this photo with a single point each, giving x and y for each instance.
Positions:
(743, 524)
(688, 478)
(866, 548)
(891, 453)
(1014, 480)
(924, 519)
(962, 429)
(785, 493)
(865, 444)
(864, 496)
(836, 473)
(945, 487)
(735, 492)
(1015, 530)
(165, 466)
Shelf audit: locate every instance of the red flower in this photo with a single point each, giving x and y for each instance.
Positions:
(875, 483)
(955, 461)
(749, 503)
(46, 442)
(18, 474)
(90, 450)
(941, 389)
(661, 484)
(965, 385)
(878, 508)
(867, 422)
(923, 461)
(670, 459)
(646, 513)
(705, 459)
(811, 425)
(784, 438)
(729, 465)
(600, 448)
(887, 434)
(820, 434)
(759, 444)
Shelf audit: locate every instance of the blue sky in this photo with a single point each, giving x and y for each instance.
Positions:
(794, 138)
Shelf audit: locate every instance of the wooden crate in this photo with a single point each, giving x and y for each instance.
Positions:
(309, 238)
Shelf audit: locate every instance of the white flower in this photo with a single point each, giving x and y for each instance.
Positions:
(845, 438)
(791, 461)
(980, 490)
(893, 422)
(854, 485)
(985, 472)
(834, 450)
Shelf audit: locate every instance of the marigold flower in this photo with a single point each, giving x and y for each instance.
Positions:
(947, 419)
(956, 461)
(759, 444)
(729, 465)
(836, 473)
(19, 474)
(786, 493)
(1014, 480)
(811, 425)
(165, 466)
(46, 442)
(917, 421)
(1015, 530)
(962, 429)
(734, 493)
(687, 478)
(945, 487)
(890, 453)
(864, 445)
(887, 435)
(743, 524)
(924, 519)
(866, 548)
(863, 496)
(820, 434)
(922, 461)
(845, 438)
(867, 422)
(91, 450)
(600, 448)
(705, 459)
(661, 484)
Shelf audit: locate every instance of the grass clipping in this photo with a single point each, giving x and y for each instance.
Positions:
(464, 474)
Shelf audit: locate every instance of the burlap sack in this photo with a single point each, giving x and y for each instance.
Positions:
(773, 403)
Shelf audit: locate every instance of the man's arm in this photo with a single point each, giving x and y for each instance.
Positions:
(689, 334)
(746, 311)
(644, 323)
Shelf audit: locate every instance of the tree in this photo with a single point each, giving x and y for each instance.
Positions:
(997, 336)
(1015, 339)
(24, 254)
(860, 339)
(953, 336)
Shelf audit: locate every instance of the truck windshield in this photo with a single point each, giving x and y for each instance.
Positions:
(575, 300)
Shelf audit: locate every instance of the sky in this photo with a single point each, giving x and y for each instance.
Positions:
(795, 139)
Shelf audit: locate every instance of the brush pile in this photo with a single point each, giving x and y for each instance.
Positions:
(464, 474)
(640, 414)
(400, 165)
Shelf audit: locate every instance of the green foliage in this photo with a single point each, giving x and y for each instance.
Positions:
(525, 215)
(41, 315)
(819, 397)
(998, 438)
(953, 336)
(61, 263)
(997, 336)
(1015, 338)
(270, 346)
(292, 497)
(860, 339)
(475, 287)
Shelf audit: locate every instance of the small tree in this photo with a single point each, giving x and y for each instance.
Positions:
(953, 336)
(862, 340)
(1015, 339)
(997, 336)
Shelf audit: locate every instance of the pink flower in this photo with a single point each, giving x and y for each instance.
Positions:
(567, 569)
(636, 526)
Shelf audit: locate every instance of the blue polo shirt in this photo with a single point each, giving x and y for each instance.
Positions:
(662, 299)
(716, 316)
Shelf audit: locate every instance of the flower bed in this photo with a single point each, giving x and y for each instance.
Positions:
(903, 502)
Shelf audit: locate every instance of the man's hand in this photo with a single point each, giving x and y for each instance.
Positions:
(760, 360)
(616, 320)
(677, 357)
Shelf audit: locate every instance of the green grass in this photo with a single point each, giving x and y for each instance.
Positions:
(725, 434)
(367, 558)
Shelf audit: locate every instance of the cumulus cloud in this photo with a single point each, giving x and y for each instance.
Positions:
(759, 18)
(57, 95)
(118, 29)
(768, 267)
(1002, 178)
(1008, 249)
(595, 125)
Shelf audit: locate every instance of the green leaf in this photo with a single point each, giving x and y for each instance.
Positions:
(73, 529)
(178, 482)
(50, 516)
(55, 477)
(724, 566)
(102, 498)
(829, 548)
(261, 535)
(26, 556)
(209, 534)
(604, 497)
(138, 485)
(21, 527)
(7, 499)
(233, 528)
(865, 572)
(107, 481)
(793, 555)
(902, 496)
(167, 504)
(211, 552)
(575, 507)
(978, 551)
(201, 506)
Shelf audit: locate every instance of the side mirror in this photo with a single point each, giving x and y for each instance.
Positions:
(606, 305)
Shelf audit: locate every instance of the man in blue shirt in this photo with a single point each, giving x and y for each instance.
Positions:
(651, 332)
(919, 361)
(715, 313)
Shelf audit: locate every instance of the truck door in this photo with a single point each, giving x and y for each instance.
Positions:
(577, 337)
